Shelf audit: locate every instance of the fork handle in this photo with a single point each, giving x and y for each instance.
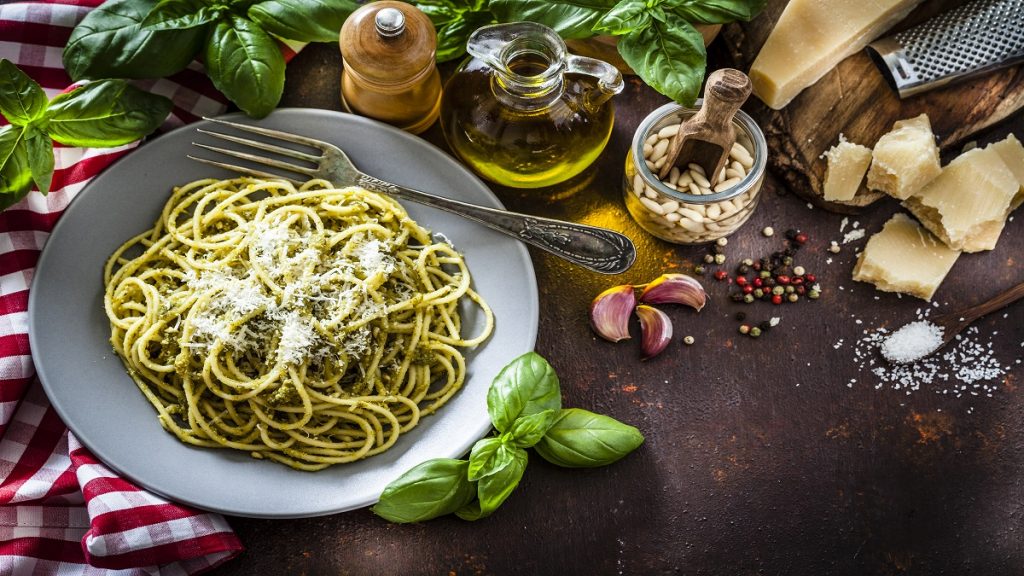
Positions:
(597, 249)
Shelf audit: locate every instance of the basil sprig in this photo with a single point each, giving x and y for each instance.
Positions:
(525, 405)
(100, 114)
(156, 38)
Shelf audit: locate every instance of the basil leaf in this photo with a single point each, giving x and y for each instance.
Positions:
(488, 456)
(528, 430)
(582, 439)
(245, 63)
(39, 151)
(716, 11)
(431, 489)
(15, 174)
(494, 489)
(526, 386)
(105, 113)
(21, 99)
(625, 17)
(452, 37)
(110, 42)
(304, 20)
(669, 57)
(181, 14)
(570, 18)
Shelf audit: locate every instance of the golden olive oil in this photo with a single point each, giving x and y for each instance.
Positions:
(550, 138)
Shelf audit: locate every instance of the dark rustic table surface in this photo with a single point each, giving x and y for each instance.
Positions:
(779, 455)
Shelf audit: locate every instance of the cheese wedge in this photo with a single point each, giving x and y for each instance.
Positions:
(847, 164)
(812, 36)
(905, 258)
(967, 205)
(905, 159)
(1012, 153)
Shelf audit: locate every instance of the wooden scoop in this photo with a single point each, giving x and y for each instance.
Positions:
(707, 137)
(954, 322)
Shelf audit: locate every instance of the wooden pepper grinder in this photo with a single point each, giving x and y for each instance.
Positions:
(707, 137)
(390, 74)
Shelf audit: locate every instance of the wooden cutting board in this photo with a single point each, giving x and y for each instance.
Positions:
(853, 99)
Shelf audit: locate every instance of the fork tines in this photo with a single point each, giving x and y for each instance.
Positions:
(279, 150)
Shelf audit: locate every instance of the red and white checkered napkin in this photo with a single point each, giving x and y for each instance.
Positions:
(61, 510)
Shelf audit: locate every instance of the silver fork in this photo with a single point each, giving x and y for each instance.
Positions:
(594, 248)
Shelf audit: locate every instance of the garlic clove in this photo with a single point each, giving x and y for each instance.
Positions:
(609, 312)
(675, 289)
(655, 329)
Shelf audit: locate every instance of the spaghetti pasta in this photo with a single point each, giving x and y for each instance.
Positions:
(311, 326)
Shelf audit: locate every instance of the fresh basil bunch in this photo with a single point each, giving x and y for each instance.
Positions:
(100, 114)
(525, 406)
(658, 39)
(235, 38)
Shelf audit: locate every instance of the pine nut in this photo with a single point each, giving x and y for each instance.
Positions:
(699, 178)
(696, 168)
(668, 131)
(670, 206)
(673, 176)
(659, 150)
(652, 206)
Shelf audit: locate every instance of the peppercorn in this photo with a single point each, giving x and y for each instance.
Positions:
(793, 297)
(813, 294)
(801, 238)
(758, 293)
(709, 259)
(747, 289)
(698, 270)
(790, 289)
(811, 278)
(721, 275)
(791, 234)
(766, 274)
(748, 262)
(782, 279)
(741, 316)
(722, 241)
(688, 340)
(758, 282)
(765, 326)
(717, 249)
(798, 271)
(719, 258)
(776, 299)
(787, 261)
(744, 329)
(797, 281)
(736, 297)
(742, 269)
(778, 290)
(801, 290)
(748, 299)
(769, 282)
(741, 280)
(756, 266)
(768, 231)
(755, 332)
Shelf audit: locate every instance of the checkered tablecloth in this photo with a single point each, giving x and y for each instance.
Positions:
(62, 511)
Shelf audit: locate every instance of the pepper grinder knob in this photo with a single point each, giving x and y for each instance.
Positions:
(390, 22)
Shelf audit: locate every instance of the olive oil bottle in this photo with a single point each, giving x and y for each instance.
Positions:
(525, 113)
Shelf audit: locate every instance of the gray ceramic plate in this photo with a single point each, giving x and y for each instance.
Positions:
(88, 385)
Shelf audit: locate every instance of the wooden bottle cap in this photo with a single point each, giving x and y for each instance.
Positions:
(388, 42)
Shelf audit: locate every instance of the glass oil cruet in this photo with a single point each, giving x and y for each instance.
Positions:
(522, 111)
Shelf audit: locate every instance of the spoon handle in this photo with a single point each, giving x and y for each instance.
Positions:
(1001, 300)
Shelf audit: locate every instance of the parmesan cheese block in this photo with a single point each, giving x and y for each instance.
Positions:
(1012, 153)
(967, 205)
(847, 164)
(812, 36)
(905, 159)
(906, 258)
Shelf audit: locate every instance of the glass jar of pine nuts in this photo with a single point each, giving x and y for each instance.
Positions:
(683, 208)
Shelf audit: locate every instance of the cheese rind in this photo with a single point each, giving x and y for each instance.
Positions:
(967, 205)
(847, 164)
(905, 258)
(812, 36)
(905, 159)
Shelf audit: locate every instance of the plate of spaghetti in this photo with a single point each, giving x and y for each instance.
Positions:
(262, 349)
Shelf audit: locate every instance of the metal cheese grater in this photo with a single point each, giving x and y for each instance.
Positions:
(972, 39)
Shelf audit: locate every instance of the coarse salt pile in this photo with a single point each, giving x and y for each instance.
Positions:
(912, 342)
